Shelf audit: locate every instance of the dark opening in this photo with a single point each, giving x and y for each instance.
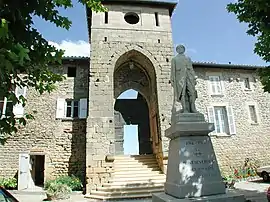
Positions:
(71, 72)
(247, 83)
(134, 112)
(105, 39)
(156, 18)
(158, 40)
(131, 18)
(106, 17)
(37, 172)
(72, 109)
(69, 109)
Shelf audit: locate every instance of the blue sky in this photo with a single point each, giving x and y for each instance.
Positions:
(205, 27)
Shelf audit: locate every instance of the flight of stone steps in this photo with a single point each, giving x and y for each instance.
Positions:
(135, 176)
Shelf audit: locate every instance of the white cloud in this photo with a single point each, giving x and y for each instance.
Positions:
(73, 48)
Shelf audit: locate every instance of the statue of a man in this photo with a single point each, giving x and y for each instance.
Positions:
(183, 81)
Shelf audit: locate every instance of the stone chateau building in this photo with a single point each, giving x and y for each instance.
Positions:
(78, 128)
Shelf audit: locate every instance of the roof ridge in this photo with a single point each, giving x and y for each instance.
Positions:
(197, 63)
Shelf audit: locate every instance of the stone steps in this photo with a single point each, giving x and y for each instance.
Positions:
(126, 192)
(135, 165)
(133, 161)
(133, 177)
(135, 157)
(139, 179)
(136, 169)
(115, 187)
(119, 197)
(135, 173)
(134, 184)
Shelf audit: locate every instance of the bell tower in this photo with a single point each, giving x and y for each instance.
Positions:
(131, 48)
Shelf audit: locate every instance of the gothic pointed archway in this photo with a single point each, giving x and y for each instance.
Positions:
(134, 70)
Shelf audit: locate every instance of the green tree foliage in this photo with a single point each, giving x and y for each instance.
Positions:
(256, 13)
(26, 58)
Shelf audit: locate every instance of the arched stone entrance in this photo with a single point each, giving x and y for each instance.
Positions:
(133, 70)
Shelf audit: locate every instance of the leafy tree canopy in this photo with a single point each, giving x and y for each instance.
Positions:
(26, 57)
(256, 13)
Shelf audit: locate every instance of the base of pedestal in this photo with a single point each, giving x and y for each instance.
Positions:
(228, 197)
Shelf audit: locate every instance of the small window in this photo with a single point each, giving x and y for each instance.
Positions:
(215, 85)
(106, 18)
(71, 72)
(252, 114)
(72, 109)
(247, 83)
(131, 18)
(6, 107)
(157, 19)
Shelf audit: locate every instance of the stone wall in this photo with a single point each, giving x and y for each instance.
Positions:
(61, 141)
(108, 43)
(251, 140)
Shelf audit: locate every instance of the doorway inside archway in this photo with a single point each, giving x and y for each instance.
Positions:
(131, 140)
(132, 124)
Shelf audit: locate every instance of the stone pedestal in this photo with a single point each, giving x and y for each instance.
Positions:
(192, 170)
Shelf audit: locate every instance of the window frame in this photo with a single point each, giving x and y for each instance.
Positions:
(227, 107)
(222, 88)
(248, 104)
(5, 104)
(15, 107)
(226, 127)
(72, 108)
(61, 108)
(243, 79)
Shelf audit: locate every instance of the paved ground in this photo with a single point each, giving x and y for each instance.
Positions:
(254, 191)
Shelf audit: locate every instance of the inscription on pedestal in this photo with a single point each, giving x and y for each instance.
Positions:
(197, 157)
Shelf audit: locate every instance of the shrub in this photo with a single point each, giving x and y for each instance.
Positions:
(71, 181)
(8, 183)
(57, 191)
(248, 169)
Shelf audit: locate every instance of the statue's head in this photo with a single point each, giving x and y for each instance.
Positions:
(180, 49)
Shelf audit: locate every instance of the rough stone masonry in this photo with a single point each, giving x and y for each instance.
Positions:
(80, 146)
